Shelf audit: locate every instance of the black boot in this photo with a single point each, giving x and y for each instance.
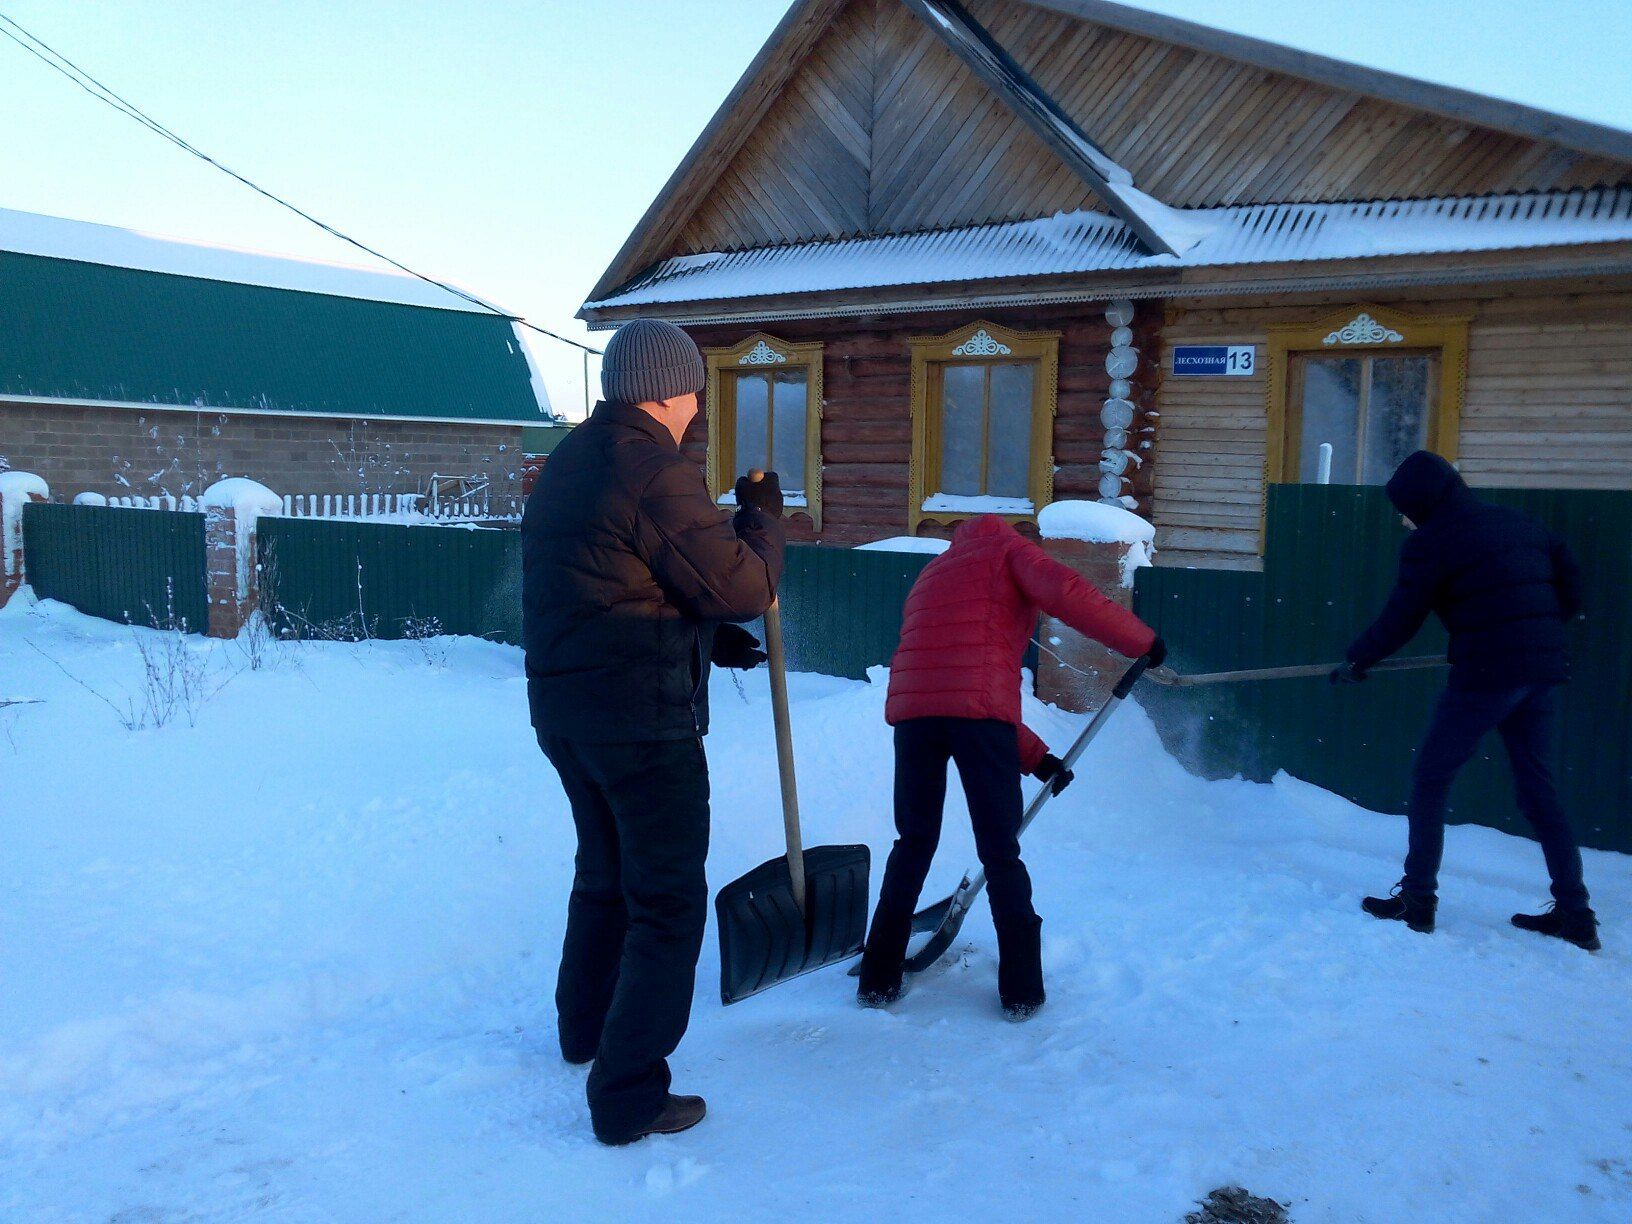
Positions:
(679, 1113)
(884, 960)
(1416, 910)
(1579, 927)
(1020, 969)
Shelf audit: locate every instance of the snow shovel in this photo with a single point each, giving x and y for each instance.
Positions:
(945, 918)
(1302, 671)
(804, 910)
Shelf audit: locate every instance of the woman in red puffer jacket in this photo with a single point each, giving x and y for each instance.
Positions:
(955, 696)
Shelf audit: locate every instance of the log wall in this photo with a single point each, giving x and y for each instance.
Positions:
(867, 410)
(1548, 405)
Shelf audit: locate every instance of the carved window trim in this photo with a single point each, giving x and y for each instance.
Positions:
(757, 354)
(980, 343)
(1364, 328)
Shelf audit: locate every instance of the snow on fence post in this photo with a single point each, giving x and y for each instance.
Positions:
(231, 509)
(17, 489)
(1106, 545)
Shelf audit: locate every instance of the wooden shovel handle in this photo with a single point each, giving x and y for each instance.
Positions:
(778, 661)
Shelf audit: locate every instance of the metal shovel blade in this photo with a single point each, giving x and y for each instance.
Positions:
(765, 939)
(927, 921)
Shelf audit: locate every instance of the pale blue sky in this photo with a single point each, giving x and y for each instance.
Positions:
(510, 146)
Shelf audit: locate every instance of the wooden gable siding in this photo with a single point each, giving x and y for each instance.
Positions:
(883, 130)
(1548, 405)
(867, 407)
(1198, 130)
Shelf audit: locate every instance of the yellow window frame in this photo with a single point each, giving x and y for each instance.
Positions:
(980, 343)
(1364, 329)
(758, 354)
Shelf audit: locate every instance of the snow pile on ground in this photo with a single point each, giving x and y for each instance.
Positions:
(297, 962)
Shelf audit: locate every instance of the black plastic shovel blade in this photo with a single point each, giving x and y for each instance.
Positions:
(764, 939)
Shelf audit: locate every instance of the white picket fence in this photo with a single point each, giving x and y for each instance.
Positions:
(397, 506)
(162, 501)
(351, 505)
(400, 506)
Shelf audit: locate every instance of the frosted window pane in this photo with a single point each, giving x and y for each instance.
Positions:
(753, 393)
(1331, 413)
(788, 438)
(963, 418)
(1008, 464)
(1396, 415)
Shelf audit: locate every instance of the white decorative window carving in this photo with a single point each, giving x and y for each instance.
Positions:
(762, 354)
(1363, 329)
(982, 344)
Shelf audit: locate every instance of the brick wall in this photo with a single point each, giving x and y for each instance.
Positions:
(867, 414)
(119, 451)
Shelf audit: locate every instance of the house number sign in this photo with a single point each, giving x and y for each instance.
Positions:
(1214, 360)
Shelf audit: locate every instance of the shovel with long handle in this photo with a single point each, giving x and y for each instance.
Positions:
(800, 911)
(1300, 671)
(945, 918)
(778, 661)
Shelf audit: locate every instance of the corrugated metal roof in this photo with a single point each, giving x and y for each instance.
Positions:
(72, 330)
(25, 233)
(1086, 242)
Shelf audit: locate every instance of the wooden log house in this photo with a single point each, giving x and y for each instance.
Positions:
(948, 258)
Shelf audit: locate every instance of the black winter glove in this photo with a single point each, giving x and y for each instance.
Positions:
(764, 495)
(1346, 673)
(1157, 654)
(1052, 770)
(735, 647)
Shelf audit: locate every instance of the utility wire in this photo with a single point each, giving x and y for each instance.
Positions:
(61, 64)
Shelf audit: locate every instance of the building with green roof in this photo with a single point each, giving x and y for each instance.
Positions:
(137, 365)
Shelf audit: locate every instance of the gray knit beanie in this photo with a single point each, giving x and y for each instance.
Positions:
(650, 360)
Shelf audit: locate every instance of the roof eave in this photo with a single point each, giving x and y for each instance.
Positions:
(1245, 280)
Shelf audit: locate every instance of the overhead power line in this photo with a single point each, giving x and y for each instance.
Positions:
(62, 65)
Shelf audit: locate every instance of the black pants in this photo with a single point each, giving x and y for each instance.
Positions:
(987, 754)
(1525, 718)
(635, 919)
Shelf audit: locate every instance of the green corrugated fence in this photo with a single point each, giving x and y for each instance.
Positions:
(842, 608)
(386, 580)
(1329, 563)
(142, 567)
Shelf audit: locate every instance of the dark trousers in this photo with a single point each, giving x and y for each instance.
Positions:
(1525, 718)
(987, 754)
(635, 918)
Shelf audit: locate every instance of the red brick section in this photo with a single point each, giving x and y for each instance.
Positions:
(1073, 672)
(230, 606)
(12, 572)
(137, 451)
(532, 467)
(867, 418)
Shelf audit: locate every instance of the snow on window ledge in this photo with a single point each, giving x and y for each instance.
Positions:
(794, 501)
(957, 503)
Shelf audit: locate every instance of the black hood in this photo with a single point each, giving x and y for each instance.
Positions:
(1424, 485)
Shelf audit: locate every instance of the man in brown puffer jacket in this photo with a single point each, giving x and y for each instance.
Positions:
(631, 579)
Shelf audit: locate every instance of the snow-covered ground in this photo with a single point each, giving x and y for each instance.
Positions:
(295, 963)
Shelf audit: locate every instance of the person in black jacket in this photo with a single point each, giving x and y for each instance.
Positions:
(631, 577)
(1505, 589)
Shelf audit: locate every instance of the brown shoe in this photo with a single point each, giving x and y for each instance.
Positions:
(679, 1113)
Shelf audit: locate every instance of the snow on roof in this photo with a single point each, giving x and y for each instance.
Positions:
(1083, 242)
(60, 238)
